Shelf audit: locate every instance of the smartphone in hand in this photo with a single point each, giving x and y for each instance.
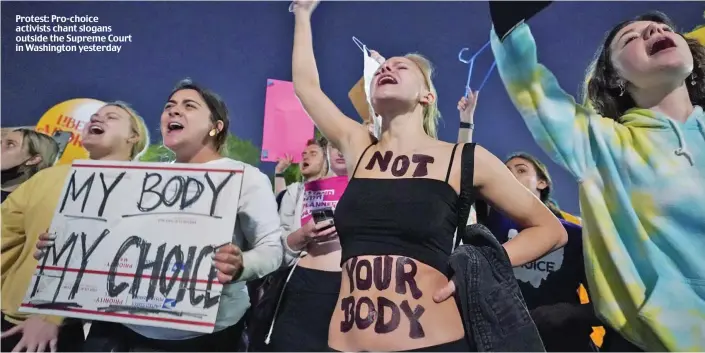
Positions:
(322, 215)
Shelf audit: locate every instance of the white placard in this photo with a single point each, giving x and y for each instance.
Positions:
(134, 244)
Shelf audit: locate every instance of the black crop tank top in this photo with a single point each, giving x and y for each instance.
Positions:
(413, 217)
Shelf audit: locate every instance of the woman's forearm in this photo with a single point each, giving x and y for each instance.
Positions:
(465, 135)
(304, 72)
(531, 244)
(279, 184)
(296, 240)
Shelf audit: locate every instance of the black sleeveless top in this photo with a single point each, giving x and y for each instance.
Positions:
(413, 217)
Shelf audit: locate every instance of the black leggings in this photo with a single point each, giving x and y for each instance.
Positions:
(304, 316)
(114, 337)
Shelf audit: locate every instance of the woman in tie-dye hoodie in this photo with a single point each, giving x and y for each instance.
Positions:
(639, 156)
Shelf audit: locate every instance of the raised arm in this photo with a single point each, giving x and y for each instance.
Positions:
(279, 169)
(558, 124)
(542, 231)
(344, 132)
(466, 107)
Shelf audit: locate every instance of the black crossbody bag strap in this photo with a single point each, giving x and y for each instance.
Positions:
(467, 189)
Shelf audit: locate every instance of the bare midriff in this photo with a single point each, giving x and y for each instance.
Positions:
(322, 256)
(386, 304)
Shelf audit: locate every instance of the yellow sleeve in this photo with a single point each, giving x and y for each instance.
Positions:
(56, 320)
(571, 218)
(13, 230)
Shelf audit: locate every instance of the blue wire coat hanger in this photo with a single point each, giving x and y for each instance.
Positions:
(471, 64)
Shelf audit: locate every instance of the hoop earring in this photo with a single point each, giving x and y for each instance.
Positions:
(693, 76)
(621, 88)
(213, 132)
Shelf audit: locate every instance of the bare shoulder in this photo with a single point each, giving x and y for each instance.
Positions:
(487, 166)
(440, 148)
(484, 164)
(483, 156)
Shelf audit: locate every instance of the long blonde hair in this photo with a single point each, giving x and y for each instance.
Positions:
(37, 144)
(431, 114)
(139, 128)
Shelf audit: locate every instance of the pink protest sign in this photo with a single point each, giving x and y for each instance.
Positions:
(321, 194)
(287, 126)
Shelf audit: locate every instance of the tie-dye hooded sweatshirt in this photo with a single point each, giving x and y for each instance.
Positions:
(642, 199)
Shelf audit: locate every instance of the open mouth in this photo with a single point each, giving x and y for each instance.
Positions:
(96, 130)
(174, 126)
(386, 80)
(304, 165)
(661, 45)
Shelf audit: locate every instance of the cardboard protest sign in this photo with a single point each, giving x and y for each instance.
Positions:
(359, 94)
(287, 126)
(322, 193)
(359, 100)
(133, 244)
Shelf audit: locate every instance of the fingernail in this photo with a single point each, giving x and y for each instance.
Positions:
(50, 243)
(331, 221)
(212, 256)
(52, 236)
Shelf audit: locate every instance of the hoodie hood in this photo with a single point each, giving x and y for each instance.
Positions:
(649, 119)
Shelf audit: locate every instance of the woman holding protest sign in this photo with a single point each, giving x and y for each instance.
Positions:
(396, 222)
(114, 133)
(194, 125)
(637, 151)
(24, 153)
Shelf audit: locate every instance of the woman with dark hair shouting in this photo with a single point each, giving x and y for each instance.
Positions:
(396, 220)
(639, 156)
(194, 125)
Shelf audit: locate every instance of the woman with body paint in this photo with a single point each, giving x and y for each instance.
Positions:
(396, 220)
(639, 155)
(114, 133)
(194, 125)
(302, 319)
(24, 153)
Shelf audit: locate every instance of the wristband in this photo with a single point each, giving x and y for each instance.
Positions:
(279, 175)
(464, 125)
